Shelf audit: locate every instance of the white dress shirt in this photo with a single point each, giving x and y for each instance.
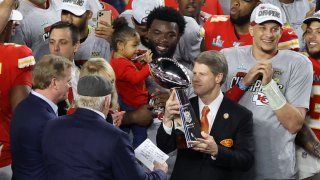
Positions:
(214, 106)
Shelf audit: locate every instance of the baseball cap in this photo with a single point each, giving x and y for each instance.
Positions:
(94, 86)
(266, 12)
(142, 8)
(15, 14)
(314, 17)
(76, 7)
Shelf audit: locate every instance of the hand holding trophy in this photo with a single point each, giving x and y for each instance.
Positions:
(168, 73)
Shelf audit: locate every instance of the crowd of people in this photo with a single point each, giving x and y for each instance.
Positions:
(77, 93)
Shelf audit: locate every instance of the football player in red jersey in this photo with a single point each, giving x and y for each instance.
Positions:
(221, 31)
(309, 165)
(15, 77)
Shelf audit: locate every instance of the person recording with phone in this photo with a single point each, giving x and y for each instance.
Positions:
(91, 46)
(130, 74)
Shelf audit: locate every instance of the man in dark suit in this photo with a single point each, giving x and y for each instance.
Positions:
(229, 145)
(50, 76)
(84, 146)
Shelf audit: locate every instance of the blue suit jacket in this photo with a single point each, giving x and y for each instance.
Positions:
(84, 146)
(28, 121)
(232, 123)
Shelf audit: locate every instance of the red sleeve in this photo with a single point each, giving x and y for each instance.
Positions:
(126, 71)
(25, 62)
(235, 93)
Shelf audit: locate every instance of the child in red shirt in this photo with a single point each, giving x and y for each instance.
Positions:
(131, 73)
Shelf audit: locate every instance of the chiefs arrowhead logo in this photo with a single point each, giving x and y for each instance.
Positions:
(227, 143)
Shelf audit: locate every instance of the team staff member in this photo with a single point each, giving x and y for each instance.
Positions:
(16, 62)
(227, 143)
(278, 84)
(64, 40)
(51, 78)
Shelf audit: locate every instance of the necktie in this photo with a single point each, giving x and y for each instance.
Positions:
(204, 123)
(70, 108)
(70, 96)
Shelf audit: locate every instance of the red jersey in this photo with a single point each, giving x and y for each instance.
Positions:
(16, 63)
(218, 32)
(314, 108)
(130, 81)
(289, 39)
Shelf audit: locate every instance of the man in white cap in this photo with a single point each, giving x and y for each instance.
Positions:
(277, 86)
(33, 31)
(79, 13)
(16, 62)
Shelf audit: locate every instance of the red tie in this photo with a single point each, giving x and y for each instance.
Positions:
(71, 107)
(70, 96)
(204, 123)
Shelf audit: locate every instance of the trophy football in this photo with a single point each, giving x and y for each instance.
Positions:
(168, 73)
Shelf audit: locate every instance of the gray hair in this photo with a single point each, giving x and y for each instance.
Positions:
(95, 103)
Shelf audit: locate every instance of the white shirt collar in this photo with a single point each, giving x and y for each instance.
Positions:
(214, 107)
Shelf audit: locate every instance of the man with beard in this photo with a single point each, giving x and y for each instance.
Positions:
(229, 31)
(232, 31)
(308, 164)
(136, 18)
(90, 45)
(188, 47)
(165, 27)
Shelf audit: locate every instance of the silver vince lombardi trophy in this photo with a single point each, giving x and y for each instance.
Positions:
(168, 73)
